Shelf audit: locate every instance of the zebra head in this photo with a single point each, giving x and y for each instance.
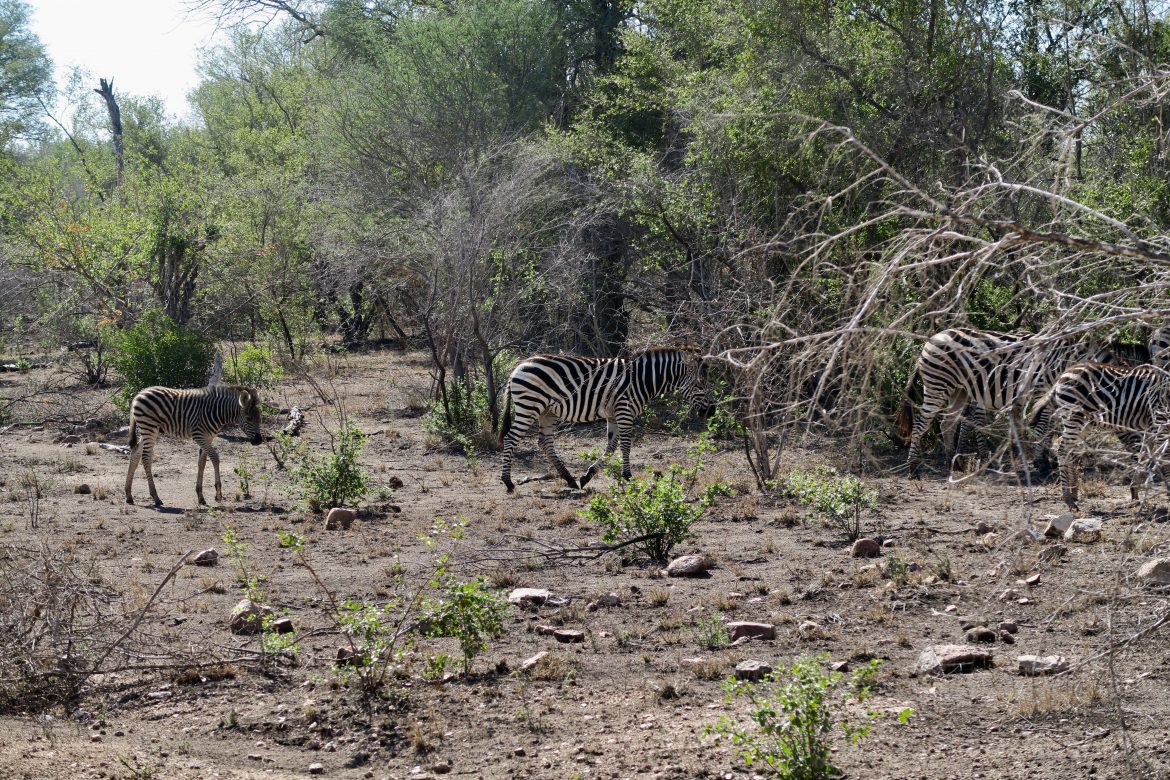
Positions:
(250, 413)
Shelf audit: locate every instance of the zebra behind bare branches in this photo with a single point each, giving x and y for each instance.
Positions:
(971, 372)
(548, 388)
(1131, 401)
(188, 414)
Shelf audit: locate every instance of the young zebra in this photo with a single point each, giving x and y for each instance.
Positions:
(973, 371)
(548, 388)
(1132, 401)
(188, 414)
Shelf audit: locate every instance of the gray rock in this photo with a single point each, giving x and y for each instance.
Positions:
(946, 659)
(752, 671)
(1038, 666)
(689, 566)
(283, 626)
(1008, 626)
(529, 596)
(751, 630)
(865, 548)
(529, 663)
(982, 528)
(316, 769)
(1083, 531)
(569, 636)
(1155, 573)
(208, 557)
(1058, 525)
(247, 616)
(339, 518)
(83, 489)
(981, 634)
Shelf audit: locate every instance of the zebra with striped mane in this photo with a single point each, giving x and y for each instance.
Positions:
(545, 389)
(1131, 401)
(971, 372)
(197, 414)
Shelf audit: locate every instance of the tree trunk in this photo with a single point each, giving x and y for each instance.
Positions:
(107, 92)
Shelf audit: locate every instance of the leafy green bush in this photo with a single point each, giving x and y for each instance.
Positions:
(794, 713)
(656, 514)
(839, 497)
(467, 611)
(465, 421)
(252, 367)
(156, 351)
(335, 478)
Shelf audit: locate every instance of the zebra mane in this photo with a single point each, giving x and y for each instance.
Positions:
(668, 348)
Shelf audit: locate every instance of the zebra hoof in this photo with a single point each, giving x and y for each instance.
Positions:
(509, 486)
(585, 478)
(571, 481)
(130, 500)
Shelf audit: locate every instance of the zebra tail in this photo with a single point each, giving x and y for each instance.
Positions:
(507, 424)
(904, 419)
(1038, 409)
(133, 433)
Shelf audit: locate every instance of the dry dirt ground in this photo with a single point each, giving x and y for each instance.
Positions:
(625, 703)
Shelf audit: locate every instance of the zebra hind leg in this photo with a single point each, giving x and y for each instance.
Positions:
(135, 459)
(199, 477)
(546, 446)
(148, 467)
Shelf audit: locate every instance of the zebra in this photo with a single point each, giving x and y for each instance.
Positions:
(1159, 341)
(548, 388)
(1131, 401)
(188, 414)
(975, 371)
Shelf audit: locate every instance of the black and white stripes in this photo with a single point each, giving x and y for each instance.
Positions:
(1130, 401)
(548, 388)
(188, 414)
(970, 371)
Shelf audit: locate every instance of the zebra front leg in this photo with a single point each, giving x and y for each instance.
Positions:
(199, 477)
(1069, 468)
(610, 446)
(546, 446)
(931, 407)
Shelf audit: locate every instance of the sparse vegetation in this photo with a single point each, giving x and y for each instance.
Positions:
(839, 498)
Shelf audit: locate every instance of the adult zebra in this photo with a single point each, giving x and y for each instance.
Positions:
(548, 388)
(976, 371)
(1131, 401)
(188, 414)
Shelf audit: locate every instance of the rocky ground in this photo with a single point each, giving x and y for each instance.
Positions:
(627, 687)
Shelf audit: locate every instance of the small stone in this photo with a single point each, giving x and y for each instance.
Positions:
(689, 566)
(207, 557)
(347, 656)
(888, 544)
(283, 626)
(809, 627)
(95, 738)
(1006, 638)
(246, 617)
(981, 634)
(611, 600)
(569, 636)
(82, 490)
(1155, 573)
(1058, 525)
(1008, 626)
(945, 659)
(1038, 666)
(1032, 581)
(394, 483)
(982, 528)
(529, 663)
(967, 622)
(255, 757)
(989, 540)
(1083, 531)
(519, 752)
(316, 769)
(752, 671)
(751, 630)
(840, 666)
(330, 747)
(441, 767)
(339, 518)
(529, 596)
(865, 548)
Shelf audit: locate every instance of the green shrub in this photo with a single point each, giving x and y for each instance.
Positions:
(794, 713)
(656, 514)
(335, 478)
(840, 498)
(467, 611)
(252, 367)
(156, 351)
(465, 421)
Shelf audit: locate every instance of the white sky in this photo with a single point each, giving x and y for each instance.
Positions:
(148, 47)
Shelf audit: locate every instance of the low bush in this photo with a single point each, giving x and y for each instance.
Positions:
(253, 367)
(840, 498)
(335, 478)
(156, 351)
